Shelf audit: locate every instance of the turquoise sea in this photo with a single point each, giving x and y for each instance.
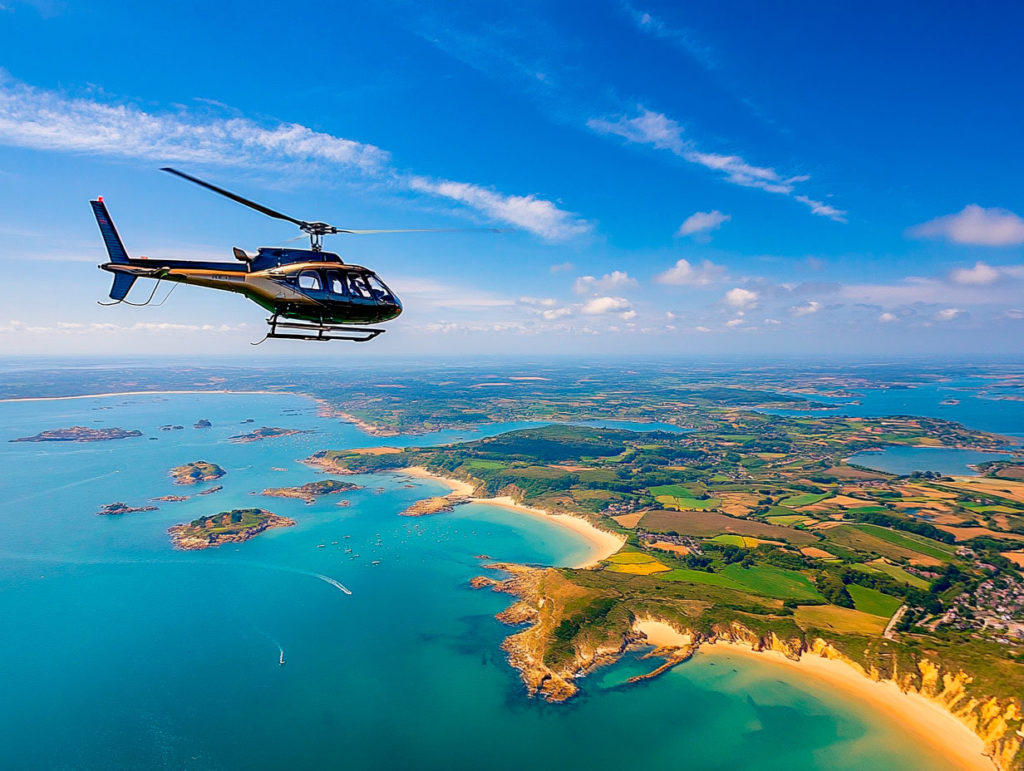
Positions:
(118, 652)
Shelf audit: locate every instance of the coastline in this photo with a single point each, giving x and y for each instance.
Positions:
(142, 393)
(925, 719)
(602, 543)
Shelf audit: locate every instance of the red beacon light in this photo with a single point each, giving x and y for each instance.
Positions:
(99, 198)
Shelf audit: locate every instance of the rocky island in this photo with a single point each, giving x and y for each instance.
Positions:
(266, 432)
(119, 507)
(233, 526)
(79, 434)
(195, 472)
(436, 505)
(310, 491)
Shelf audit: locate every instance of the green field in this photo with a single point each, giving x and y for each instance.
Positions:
(803, 500)
(787, 519)
(919, 543)
(893, 571)
(479, 463)
(857, 538)
(773, 581)
(873, 601)
(700, 577)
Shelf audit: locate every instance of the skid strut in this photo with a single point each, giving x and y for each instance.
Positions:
(296, 330)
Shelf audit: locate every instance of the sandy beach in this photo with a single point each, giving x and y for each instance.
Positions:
(603, 544)
(925, 719)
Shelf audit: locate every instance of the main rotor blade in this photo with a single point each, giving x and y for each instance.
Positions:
(237, 198)
(422, 230)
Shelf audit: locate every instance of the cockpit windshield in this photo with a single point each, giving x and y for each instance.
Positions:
(379, 289)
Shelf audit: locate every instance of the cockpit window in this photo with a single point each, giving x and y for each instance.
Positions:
(380, 292)
(336, 283)
(309, 279)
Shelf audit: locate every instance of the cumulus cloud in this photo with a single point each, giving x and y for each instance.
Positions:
(683, 273)
(887, 318)
(663, 133)
(600, 305)
(617, 280)
(948, 314)
(702, 222)
(732, 323)
(810, 307)
(741, 298)
(52, 121)
(983, 274)
(976, 226)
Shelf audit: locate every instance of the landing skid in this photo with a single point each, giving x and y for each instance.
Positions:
(295, 330)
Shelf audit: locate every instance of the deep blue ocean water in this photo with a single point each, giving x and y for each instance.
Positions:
(119, 652)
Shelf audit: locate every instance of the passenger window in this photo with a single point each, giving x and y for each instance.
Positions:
(358, 287)
(335, 283)
(309, 279)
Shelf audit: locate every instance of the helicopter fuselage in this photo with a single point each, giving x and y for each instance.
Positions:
(301, 284)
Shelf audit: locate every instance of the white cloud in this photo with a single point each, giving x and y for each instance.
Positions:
(537, 215)
(556, 313)
(980, 275)
(731, 323)
(685, 274)
(47, 120)
(887, 318)
(616, 280)
(679, 36)
(702, 222)
(51, 121)
(812, 306)
(975, 225)
(601, 305)
(948, 314)
(664, 133)
(772, 322)
(741, 298)
(703, 329)
(651, 128)
(823, 209)
(628, 315)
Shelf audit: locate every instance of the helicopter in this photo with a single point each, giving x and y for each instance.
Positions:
(311, 294)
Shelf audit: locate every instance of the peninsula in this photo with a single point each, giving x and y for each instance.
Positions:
(233, 526)
(196, 472)
(79, 434)
(751, 528)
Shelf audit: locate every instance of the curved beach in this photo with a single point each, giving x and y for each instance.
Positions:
(926, 720)
(603, 544)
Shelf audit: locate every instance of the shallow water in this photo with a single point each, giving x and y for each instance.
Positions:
(119, 652)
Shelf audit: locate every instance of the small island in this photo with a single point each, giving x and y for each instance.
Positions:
(195, 472)
(233, 526)
(119, 507)
(214, 489)
(170, 498)
(202, 423)
(79, 434)
(266, 432)
(435, 505)
(310, 491)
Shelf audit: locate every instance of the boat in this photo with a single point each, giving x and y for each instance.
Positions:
(280, 662)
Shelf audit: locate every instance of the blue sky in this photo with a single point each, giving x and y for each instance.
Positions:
(731, 177)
